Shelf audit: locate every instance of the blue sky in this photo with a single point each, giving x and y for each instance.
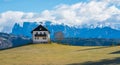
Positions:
(33, 5)
(98, 13)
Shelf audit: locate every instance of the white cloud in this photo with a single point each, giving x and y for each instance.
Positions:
(96, 12)
(85, 12)
(9, 18)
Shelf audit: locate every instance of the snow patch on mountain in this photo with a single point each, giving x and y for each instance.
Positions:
(69, 31)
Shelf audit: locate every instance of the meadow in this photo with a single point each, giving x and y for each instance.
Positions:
(58, 54)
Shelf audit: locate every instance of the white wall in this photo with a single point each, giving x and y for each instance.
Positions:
(41, 38)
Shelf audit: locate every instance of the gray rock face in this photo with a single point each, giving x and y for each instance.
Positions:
(4, 43)
(10, 40)
(74, 32)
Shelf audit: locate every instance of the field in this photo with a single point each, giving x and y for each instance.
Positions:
(57, 54)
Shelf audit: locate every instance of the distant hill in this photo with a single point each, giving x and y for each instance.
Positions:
(74, 32)
(89, 41)
(10, 40)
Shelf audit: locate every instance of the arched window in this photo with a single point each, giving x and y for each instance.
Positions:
(44, 34)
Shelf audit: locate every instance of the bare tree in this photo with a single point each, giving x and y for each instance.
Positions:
(59, 36)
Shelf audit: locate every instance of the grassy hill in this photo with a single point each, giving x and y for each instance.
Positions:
(57, 54)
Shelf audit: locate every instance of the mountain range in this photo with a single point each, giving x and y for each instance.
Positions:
(83, 36)
(68, 31)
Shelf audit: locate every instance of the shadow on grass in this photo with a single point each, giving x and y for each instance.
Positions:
(16, 47)
(94, 48)
(21, 46)
(115, 61)
(116, 52)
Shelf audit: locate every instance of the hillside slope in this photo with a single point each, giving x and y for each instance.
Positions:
(56, 54)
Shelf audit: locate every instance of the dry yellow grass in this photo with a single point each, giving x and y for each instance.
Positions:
(55, 54)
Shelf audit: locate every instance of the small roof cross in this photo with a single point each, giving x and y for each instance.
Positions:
(41, 23)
